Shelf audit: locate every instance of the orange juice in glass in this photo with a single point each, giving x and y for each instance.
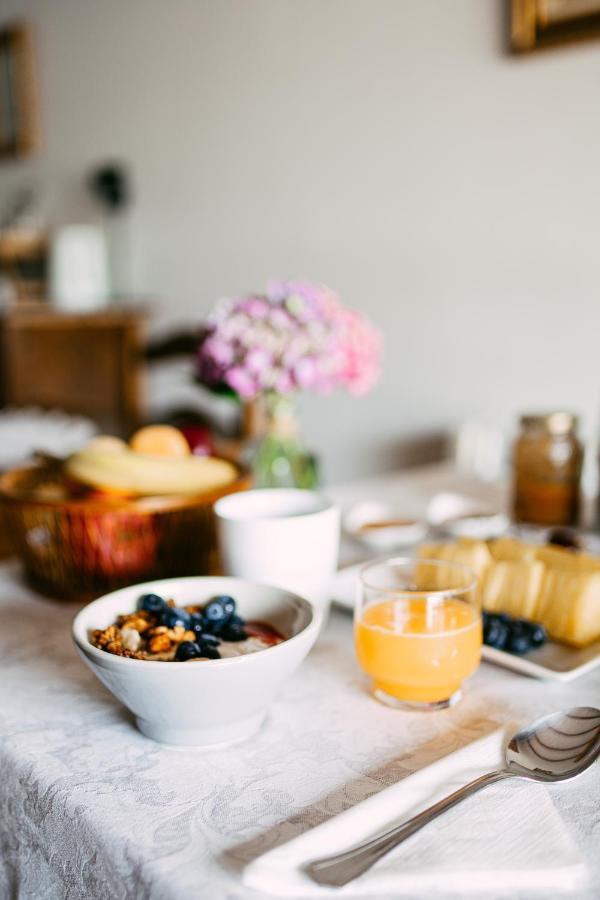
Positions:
(417, 630)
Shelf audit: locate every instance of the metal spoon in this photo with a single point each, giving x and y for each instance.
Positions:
(555, 748)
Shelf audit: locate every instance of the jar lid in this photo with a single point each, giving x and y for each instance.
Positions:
(554, 422)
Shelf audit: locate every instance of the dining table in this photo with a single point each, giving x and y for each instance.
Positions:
(90, 808)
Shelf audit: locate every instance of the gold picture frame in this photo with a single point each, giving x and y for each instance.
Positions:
(19, 110)
(537, 24)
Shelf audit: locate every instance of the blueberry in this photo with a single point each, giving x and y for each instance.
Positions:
(215, 612)
(152, 603)
(209, 652)
(496, 634)
(489, 622)
(236, 620)
(188, 650)
(209, 639)
(537, 634)
(233, 632)
(519, 642)
(172, 617)
(214, 616)
(196, 623)
(521, 626)
(564, 537)
(228, 604)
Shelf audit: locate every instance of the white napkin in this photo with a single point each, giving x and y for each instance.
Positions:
(509, 835)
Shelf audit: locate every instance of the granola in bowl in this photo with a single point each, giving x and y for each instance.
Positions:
(159, 630)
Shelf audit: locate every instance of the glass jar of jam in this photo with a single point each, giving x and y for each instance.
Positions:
(547, 461)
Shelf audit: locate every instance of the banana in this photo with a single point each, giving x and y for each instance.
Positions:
(139, 475)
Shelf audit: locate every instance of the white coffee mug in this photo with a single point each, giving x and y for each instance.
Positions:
(281, 536)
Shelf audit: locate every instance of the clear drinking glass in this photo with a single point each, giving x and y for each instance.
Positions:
(417, 630)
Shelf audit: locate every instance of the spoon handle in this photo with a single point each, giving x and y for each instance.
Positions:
(343, 867)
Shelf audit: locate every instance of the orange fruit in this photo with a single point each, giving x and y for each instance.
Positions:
(160, 440)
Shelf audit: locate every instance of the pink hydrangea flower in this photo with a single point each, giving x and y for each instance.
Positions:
(360, 349)
(297, 336)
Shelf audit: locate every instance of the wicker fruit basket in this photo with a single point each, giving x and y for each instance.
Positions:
(77, 548)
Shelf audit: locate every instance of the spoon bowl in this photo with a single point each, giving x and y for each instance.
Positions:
(557, 747)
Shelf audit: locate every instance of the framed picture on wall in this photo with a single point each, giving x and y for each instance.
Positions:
(536, 24)
(19, 114)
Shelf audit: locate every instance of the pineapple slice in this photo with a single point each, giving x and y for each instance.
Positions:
(428, 577)
(507, 549)
(513, 587)
(568, 560)
(569, 606)
(587, 563)
(471, 553)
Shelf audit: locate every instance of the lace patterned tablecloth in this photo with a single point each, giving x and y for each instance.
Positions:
(91, 809)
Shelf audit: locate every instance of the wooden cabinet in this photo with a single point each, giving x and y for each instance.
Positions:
(89, 364)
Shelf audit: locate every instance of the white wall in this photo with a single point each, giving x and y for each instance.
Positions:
(387, 147)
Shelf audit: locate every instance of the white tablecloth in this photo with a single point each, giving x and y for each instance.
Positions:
(91, 809)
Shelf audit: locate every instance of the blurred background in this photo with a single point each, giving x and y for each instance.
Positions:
(402, 151)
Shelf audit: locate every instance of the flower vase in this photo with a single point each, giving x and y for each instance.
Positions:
(280, 459)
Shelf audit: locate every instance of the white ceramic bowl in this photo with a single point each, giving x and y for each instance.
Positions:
(209, 703)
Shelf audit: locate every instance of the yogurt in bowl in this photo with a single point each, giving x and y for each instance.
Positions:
(207, 702)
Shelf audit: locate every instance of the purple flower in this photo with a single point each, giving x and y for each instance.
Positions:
(305, 372)
(219, 351)
(279, 318)
(257, 360)
(238, 379)
(256, 307)
(283, 383)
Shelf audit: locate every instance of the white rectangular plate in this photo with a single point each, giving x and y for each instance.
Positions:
(553, 661)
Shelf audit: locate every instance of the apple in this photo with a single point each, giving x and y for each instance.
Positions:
(114, 544)
(199, 438)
